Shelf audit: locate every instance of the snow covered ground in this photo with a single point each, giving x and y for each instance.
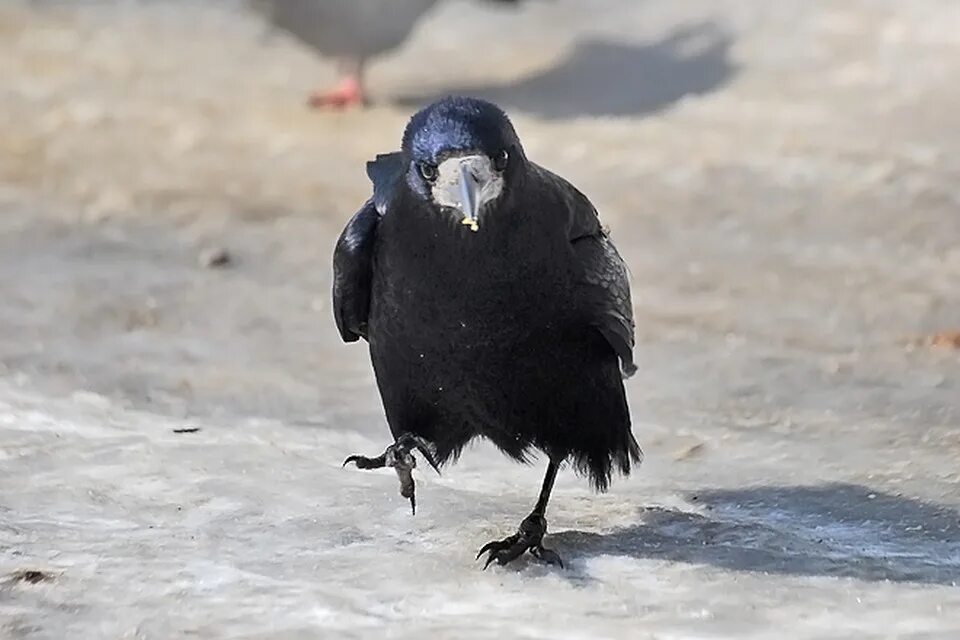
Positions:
(781, 177)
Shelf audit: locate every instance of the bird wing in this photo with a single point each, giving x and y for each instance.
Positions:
(604, 279)
(353, 256)
(353, 272)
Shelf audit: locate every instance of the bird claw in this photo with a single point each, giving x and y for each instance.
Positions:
(423, 447)
(527, 538)
(497, 545)
(547, 556)
(364, 462)
(503, 551)
(398, 457)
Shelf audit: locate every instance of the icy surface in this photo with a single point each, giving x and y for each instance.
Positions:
(252, 529)
(781, 178)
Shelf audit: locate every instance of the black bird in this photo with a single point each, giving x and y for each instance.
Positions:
(494, 304)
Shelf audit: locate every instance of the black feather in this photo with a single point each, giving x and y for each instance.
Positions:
(353, 273)
(384, 173)
(519, 332)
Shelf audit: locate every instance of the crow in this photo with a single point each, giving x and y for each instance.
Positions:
(494, 305)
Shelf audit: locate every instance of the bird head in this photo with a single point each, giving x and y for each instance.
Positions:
(464, 155)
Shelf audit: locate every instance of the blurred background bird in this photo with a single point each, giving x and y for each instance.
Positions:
(350, 31)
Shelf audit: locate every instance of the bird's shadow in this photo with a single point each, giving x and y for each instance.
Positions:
(600, 78)
(838, 530)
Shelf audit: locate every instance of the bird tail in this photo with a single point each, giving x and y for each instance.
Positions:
(599, 466)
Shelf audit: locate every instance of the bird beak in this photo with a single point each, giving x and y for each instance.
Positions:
(469, 189)
(466, 184)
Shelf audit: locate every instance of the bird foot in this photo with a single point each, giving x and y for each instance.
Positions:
(528, 537)
(399, 457)
(347, 94)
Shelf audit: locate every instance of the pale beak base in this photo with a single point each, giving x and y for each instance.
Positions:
(467, 183)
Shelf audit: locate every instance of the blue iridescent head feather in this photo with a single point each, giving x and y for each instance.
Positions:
(459, 124)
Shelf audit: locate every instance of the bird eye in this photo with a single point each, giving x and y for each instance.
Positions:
(500, 160)
(428, 171)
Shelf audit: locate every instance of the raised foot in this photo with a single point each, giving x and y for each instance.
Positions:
(528, 537)
(399, 456)
(345, 95)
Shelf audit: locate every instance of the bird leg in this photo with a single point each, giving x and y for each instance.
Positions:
(399, 456)
(347, 93)
(529, 537)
